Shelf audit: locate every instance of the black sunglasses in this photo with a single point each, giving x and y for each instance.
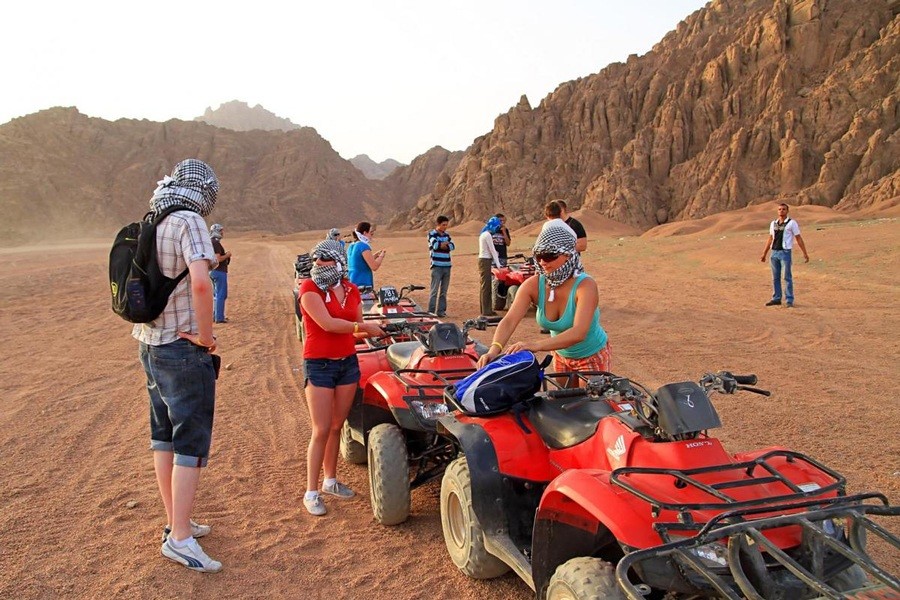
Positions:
(546, 256)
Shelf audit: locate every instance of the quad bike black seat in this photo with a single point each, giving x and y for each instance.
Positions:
(398, 354)
(565, 423)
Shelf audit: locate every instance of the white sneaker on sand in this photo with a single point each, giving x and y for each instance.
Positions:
(197, 530)
(192, 556)
(338, 489)
(315, 506)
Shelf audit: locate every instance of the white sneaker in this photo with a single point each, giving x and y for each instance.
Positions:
(338, 489)
(315, 506)
(197, 530)
(191, 556)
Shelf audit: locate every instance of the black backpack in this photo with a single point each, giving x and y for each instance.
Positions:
(140, 291)
(499, 385)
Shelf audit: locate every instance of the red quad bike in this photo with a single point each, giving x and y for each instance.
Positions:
(388, 301)
(373, 358)
(517, 269)
(614, 491)
(386, 307)
(400, 405)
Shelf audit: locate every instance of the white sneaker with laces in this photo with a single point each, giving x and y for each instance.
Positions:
(338, 489)
(197, 530)
(315, 506)
(192, 556)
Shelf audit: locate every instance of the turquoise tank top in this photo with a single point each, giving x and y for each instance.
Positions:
(596, 337)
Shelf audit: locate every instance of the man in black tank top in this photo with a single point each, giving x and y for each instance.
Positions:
(783, 232)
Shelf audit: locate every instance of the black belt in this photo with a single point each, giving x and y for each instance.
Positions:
(781, 249)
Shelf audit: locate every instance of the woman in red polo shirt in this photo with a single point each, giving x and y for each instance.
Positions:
(332, 314)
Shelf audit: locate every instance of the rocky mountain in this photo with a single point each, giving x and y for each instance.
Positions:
(745, 101)
(238, 116)
(372, 169)
(428, 172)
(63, 174)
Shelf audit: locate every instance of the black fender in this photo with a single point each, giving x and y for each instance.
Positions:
(484, 471)
(582, 515)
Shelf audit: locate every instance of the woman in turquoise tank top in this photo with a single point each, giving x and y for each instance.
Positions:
(567, 304)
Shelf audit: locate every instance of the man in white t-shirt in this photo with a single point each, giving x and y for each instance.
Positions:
(783, 232)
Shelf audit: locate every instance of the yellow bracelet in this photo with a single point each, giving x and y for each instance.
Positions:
(355, 326)
(498, 344)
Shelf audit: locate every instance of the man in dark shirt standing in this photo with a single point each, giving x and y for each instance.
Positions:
(501, 240)
(575, 224)
(219, 275)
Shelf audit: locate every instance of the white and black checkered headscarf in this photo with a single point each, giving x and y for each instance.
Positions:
(326, 277)
(192, 184)
(558, 239)
(216, 231)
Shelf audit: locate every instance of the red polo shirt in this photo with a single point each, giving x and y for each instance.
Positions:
(327, 344)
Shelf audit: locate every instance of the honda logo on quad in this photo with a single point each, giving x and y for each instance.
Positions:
(698, 444)
(687, 396)
(618, 448)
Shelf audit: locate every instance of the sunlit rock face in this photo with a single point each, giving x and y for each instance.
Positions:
(745, 101)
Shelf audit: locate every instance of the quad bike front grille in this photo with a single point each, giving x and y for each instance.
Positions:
(807, 571)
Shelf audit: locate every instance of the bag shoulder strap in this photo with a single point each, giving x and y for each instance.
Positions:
(156, 218)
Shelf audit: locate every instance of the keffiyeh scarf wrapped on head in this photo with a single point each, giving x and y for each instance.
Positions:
(327, 276)
(192, 184)
(558, 240)
(215, 232)
(493, 225)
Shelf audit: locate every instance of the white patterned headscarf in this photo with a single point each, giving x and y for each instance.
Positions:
(192, 184)
(216, 231)
(558, 239)
(325, 276)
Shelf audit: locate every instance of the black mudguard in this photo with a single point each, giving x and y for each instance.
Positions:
(484, 471)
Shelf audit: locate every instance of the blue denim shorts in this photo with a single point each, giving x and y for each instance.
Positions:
(181, 382)
(330, 373)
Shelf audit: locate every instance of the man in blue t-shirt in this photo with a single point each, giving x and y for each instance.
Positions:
(440, 246)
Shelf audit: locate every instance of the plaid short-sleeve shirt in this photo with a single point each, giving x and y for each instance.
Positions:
(181, 239)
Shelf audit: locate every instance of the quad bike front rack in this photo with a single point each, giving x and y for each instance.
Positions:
(759, 471)
(750, 576)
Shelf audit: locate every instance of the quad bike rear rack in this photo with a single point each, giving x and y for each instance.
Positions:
(750, 576)
(745, 476)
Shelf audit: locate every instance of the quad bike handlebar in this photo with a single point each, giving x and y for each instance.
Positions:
(410, 288)
(726, 382)
(418, 330)
(657, 410)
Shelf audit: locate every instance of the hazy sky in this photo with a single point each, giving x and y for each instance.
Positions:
(387, 78)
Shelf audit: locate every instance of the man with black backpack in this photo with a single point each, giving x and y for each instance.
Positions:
(175, 351)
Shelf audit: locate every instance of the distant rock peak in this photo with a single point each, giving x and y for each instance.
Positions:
(238, 116)
(372, 169)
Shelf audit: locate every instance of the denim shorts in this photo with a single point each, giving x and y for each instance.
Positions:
(181, 382)
(330, 372)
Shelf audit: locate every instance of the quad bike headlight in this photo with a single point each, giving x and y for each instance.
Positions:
(834, 528)
(429, 411)
(714, 554)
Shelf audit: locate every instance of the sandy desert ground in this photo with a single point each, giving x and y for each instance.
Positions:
(79, 511)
